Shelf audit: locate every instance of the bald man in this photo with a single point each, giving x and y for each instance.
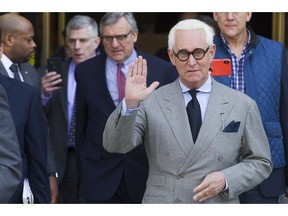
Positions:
(18, 45)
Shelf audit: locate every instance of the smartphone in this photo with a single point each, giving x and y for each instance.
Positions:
(55, 64)
(221, 67)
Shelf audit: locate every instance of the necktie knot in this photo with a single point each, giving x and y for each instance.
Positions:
(14, 69)
(193, 93)
(119, 66)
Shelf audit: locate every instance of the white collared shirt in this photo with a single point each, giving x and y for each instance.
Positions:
(111, 71)
(7, 63)
(202, 95)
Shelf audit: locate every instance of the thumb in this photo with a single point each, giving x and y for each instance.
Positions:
(153, 86)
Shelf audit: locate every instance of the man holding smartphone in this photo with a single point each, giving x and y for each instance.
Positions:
(82, 40)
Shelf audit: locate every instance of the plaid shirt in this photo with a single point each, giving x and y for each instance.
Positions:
(237, 81)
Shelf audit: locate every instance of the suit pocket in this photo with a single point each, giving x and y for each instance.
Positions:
(232, 127)
(155, 188)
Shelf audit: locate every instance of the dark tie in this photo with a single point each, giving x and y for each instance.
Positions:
(71, 134)
(121, 80)
(14, 69)
(194, 114)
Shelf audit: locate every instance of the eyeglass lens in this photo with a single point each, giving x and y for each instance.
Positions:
(198, 54)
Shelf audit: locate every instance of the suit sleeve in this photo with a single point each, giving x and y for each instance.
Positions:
(10, 157)
(36, 142)
(255, 163)
(116, 126)
(81, 112)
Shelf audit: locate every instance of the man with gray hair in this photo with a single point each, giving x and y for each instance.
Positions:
(106, 177)
(210, 159)
(82, 40)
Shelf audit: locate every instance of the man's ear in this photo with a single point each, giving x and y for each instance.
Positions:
(215, 16)
(97, 42)
(135, 36)
(171, 56)
(212, 50)
(7, 39)
(248, 16)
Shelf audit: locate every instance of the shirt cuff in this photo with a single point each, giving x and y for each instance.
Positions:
(125, 111)
(45, 99)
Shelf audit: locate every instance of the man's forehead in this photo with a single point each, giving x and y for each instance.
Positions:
(83, 33)
(185, 37)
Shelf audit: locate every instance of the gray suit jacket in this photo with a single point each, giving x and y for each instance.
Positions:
(33, 78)
(10, 157)
(176, 164)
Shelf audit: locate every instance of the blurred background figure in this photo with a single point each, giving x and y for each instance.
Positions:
(106, 177)
(82, 41)
(163, 52)
(259, 69)
(63, 51)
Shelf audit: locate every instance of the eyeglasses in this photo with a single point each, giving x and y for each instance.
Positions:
(198, 54)
(233, 13)
(119, 38)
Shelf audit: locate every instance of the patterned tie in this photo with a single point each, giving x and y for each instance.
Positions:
(194, 114)
(14, 69)
(121, 80)
(71, 134)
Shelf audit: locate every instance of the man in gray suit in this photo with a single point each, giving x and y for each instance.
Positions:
(231, 153)
(10, 157)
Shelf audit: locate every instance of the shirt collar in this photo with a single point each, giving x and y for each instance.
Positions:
(6, 61)
(228, 46)
(206, 87)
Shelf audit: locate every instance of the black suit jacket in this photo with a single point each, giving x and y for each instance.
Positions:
(100, 172)
(31, 130)
(33, 78)
(56, 113)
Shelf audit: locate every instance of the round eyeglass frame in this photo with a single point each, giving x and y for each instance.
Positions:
(191, 53)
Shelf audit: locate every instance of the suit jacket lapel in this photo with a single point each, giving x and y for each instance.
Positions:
(173, 107)
(5, 82)
(3, 70)
(217, 111)
(64, 90)
(28, 75)
(101, 82)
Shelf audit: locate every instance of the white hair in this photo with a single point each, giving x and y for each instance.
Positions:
(190, 24)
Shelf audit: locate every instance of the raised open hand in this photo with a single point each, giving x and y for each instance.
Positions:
(136, 89)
